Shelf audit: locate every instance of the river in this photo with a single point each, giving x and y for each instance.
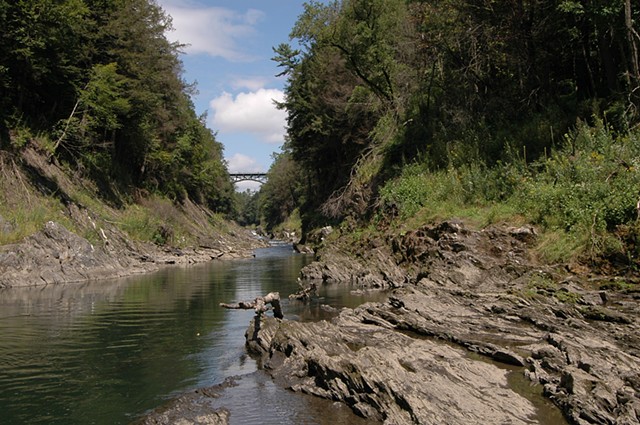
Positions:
(106, 352)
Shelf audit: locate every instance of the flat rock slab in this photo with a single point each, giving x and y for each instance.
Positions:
(191, 408)
(479, 291)
(55, 255)
(385, 375)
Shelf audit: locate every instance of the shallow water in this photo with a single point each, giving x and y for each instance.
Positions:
(106, 352)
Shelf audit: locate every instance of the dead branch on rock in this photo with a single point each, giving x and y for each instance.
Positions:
(260, 305)
(304, 294)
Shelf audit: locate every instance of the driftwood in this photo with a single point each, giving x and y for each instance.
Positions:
(260, 305)
(304, 294)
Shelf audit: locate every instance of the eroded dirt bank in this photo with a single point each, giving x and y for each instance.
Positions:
(458, 291)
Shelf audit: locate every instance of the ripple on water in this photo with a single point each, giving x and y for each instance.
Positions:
(106, 352)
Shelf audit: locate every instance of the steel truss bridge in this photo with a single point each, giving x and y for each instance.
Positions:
(254, 177)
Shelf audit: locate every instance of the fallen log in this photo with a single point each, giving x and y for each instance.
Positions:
(260, 305)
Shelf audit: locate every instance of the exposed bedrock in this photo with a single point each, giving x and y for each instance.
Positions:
(459, 294)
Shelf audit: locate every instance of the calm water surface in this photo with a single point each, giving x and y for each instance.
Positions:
(106, 352)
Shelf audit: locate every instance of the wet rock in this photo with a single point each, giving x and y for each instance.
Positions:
(388, 376)
(189, 409)
(474, 290)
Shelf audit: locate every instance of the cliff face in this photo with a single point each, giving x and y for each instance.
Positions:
(77, 236)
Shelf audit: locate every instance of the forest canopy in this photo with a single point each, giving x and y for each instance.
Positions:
(377, 85)
(102, 85)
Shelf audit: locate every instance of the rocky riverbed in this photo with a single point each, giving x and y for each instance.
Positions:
(460, 296)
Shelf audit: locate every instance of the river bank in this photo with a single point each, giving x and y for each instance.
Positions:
(64, 228)
(459, 293)
(456, 293)
(55, 255)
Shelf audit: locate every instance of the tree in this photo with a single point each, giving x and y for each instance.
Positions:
(41, 58)
(281, 194)
(100, 78)
(339, 87)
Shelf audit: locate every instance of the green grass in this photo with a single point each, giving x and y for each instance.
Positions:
(292, 223)
(618, 285)
(157, 221)
(27, 219)
(579, 196)
(567, 297)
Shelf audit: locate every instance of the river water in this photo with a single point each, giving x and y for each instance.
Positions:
(106, 352)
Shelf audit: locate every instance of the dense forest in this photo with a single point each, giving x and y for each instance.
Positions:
(406, 109)
(96, 85)
(398, 110)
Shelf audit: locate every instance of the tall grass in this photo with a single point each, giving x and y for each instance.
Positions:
(23, 220)
(582, 195)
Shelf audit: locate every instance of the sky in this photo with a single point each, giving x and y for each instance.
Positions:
(228, 55)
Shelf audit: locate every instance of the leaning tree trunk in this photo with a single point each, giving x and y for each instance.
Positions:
(634, 38)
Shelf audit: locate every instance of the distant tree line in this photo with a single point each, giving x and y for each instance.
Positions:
(444, 83)
(99, 81)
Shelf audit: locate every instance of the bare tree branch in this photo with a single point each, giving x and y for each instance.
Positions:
(260, 305)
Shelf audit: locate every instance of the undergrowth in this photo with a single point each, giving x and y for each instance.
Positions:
(76, 204)
(582, 196)
(293, 223)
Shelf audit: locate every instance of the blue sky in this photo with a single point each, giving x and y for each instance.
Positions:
(228, 55)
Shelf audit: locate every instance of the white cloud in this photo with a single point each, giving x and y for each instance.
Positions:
(215, 31)
(252, 112)
(251, 83)
(240, 163)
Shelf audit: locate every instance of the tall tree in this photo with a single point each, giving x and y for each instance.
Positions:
(101, 79)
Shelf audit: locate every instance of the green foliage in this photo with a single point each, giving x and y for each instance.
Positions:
(42, 49)
(104, 98)
(339, 88)
(584, 195)
(103, 86)
(21, 137)
(542, 282)
(481, 88)
(248, 208)
(589, 188)
(141, 224)
(567, 297)
(281, 194)
(28, 218)
(408, 193)
(293, 223)
(618, 285)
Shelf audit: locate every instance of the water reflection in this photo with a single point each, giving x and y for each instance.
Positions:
(105, 352)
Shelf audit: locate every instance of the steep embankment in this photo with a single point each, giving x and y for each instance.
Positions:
(460, 293)
(64, 232)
